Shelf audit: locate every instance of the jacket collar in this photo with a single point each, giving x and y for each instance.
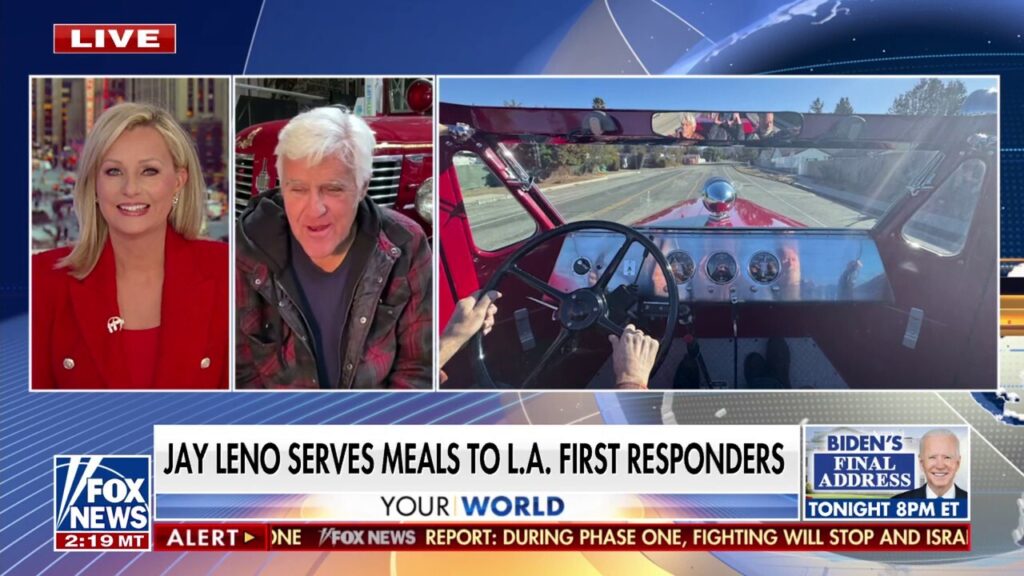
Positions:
(263, 228)
(187, 306)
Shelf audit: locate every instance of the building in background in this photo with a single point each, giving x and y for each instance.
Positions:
(264, 99)
(58, 111)
(65, 109)
(259, 99)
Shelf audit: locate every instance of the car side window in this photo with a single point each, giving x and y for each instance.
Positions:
(942, 223)
(496, 219)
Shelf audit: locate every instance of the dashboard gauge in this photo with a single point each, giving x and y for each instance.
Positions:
(682, 266)
(721, 268)
(764, 268)
(581, 266)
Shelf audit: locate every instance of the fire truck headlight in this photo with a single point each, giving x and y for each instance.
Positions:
(425, 200)
(420, 95)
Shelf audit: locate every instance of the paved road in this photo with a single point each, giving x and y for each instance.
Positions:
(628, 197)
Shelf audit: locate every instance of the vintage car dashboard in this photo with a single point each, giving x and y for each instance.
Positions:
(733, 266)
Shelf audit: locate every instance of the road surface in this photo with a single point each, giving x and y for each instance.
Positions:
(497, 219)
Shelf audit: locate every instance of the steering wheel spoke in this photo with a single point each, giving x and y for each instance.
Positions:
(563, 336)
(610, 327)
(609, 271)
(537, 284)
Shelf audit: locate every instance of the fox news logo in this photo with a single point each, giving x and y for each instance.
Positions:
(101, 494)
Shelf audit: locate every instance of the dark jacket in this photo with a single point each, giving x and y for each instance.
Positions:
(72, 348)
(387, 338)
(922, 493)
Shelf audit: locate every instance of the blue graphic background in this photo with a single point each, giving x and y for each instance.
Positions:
(460, 37)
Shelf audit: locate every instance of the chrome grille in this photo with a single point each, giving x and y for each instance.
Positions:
(243, 181)
(387, 172)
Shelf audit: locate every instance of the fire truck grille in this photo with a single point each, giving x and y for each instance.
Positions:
(384, 182)
(387, 172)
(243, 181)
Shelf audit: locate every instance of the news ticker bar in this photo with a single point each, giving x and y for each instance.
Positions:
(791, 536)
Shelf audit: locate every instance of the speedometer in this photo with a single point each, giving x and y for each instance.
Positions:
(764, 267)
(682, 266)
(721, 268)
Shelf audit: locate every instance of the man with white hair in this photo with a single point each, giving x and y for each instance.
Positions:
(332, 290)
(939, 456)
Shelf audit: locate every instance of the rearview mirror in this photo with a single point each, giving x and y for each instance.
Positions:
(715, 127)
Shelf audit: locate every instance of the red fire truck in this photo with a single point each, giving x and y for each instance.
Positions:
(400, 116)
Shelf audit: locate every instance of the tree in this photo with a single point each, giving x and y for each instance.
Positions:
(575, 157)
(598, 103)
(711, 154)
(513, 104)
(538, 160)
(844, 106)
(930, 97)
(817, 107)
(608, 156)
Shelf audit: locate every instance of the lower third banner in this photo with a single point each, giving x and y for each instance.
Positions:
(949, 537)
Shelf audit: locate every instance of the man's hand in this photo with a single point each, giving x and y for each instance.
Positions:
(633, 357)
(472, 314)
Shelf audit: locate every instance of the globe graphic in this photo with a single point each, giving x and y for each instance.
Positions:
(803, 36)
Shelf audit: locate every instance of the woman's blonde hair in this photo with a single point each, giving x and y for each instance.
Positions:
(186, 216)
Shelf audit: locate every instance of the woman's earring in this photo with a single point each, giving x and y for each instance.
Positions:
(175, 201)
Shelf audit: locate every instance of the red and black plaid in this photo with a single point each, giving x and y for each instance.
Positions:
(388, 333)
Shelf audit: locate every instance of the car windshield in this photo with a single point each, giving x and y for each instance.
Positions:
(697, 154)
(658, 185)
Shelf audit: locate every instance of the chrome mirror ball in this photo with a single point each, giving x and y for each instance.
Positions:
(719, 195)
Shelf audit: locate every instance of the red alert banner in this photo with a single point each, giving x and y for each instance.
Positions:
(878, 537)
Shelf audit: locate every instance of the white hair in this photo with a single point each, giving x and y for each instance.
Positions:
(936, 433)
(328, 131)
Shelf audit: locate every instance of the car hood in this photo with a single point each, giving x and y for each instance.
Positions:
(743, 214)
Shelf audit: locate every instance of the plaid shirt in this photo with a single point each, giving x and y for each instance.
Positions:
(388, 340)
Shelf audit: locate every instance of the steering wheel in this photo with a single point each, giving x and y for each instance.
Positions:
(585, 308)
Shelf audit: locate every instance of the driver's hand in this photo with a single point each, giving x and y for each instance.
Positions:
(633, 357)
(472, 314)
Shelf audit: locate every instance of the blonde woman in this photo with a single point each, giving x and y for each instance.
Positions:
(139, 302)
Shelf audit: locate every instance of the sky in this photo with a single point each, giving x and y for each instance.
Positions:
(868, 95)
